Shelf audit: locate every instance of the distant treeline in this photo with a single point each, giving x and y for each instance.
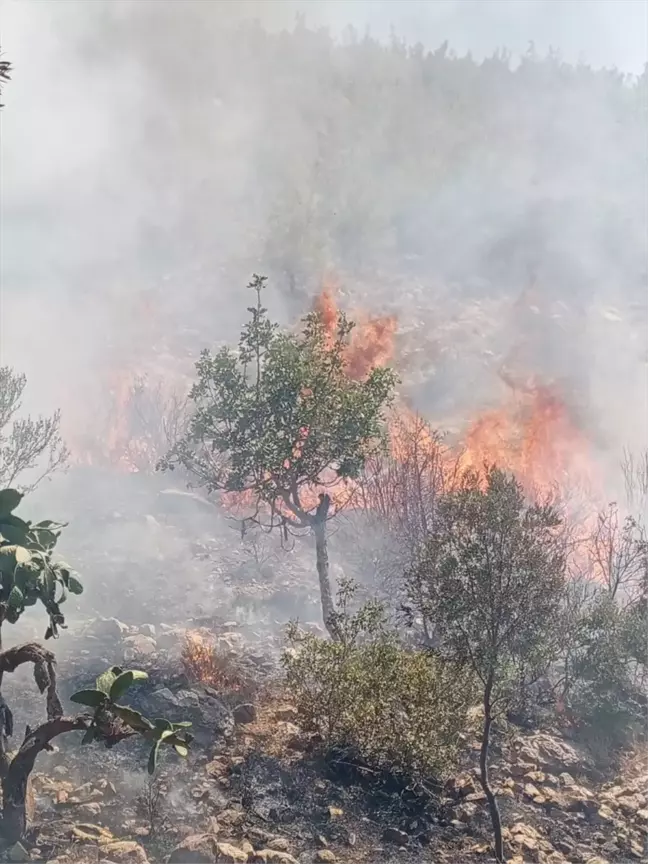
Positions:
(355, 153)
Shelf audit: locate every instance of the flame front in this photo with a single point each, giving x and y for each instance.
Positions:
(532, 434)
(372, 340)
(535, 437)
(204, 661)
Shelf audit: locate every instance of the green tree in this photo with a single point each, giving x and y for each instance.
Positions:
(30, 573)
(281, 419)
(490, 581)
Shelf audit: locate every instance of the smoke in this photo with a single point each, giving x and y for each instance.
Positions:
(155, 154)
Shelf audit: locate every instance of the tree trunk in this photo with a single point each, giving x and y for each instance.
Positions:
(483, 772)
(15, 785)
(321, 552)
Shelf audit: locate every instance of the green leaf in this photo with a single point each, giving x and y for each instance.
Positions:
(161, 723)
(49, 584)
(152, 761)
(7, 559)
(9, 500)
(23, 556)
(181, 750)
(122, 683)
(43, 539)
(89, 736)
(48, 525)
(133, 718)
(14, 530)
(105, 681)
(184, 724)
(16, 598)
(13, 556)
(74, 586)
(91, 698)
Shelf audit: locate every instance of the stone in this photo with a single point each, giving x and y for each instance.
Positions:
(97, 833)
(325, 856)
(139, 645)
(335, 812)
(18, 854)
(124, 852)
(279, 844)
(218, 767)
(466, 811)
(395, 835)
(90, 808)
(551, 752)
(245, 713)
(461, 786)
(273, 856)
(205, 849)
(605, 814)
(228, 854)
(107, 629)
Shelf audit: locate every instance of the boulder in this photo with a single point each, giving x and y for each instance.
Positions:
(204, 849)
(551, 753)
(325, 856)
(107, 629)
(139, 646)
(273, 856)
(245, 713)
(124, 852)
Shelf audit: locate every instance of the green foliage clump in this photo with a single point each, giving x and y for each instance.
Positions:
(281, 410)
(109, 716)
(609, 670)
(28, 570)
(401, 710)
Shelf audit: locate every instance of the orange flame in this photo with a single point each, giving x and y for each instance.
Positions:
(533, 433)
(372, 339)
(535, 437)
(206, 662)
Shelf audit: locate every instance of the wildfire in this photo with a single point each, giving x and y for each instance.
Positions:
(205, 661)
(533, 433)
(535, 437)
(372, 339)
(136, 428)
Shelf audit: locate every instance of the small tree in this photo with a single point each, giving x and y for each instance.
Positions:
(26, 443)
(490, 581)
(281, 420)
(29, 573)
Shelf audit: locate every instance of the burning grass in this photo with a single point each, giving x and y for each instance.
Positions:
(206, 661)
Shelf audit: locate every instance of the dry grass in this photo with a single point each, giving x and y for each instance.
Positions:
(207, 661)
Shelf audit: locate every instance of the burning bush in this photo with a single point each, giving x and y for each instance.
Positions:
(401, 711)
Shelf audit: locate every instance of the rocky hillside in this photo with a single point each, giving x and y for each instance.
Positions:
(257, 787)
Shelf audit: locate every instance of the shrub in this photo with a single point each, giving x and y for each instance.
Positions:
(400, 710)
